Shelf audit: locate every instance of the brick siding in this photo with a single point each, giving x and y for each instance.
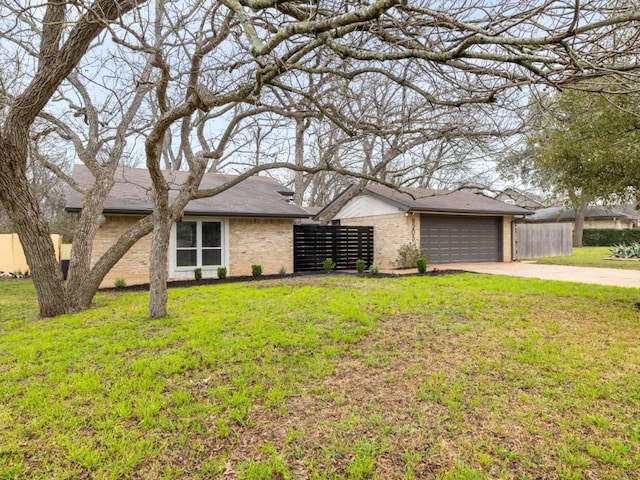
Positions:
(389, 233)
(134, 266)
(260, 241)
(267, 242)
(507, 247)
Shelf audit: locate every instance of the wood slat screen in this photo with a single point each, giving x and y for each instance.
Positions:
(313, 244)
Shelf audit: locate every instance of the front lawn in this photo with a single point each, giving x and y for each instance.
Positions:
(591, 257)
(453, 377)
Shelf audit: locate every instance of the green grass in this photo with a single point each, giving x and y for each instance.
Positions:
(591, 257)
(451, 377)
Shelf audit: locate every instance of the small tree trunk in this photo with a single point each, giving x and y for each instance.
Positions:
(298, 183)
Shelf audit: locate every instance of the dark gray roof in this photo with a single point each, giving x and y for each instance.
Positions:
(568, 214)
(312, 212)
(522, 199)
(253, 197)
(629, 209)
(443, 201)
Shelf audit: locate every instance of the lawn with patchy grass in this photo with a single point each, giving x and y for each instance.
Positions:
(590, 257)
(453, 377)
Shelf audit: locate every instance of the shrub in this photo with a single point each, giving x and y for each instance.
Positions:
(197, 273)
(421, 263)
(360, 265)
(120, 282)
(256, 270)
(283, 271)
(374, 269)
(328, 265)
(222, 273)
(626, 251)
(608, 237)
(407, 255)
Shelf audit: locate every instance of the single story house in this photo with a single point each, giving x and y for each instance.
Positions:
(250, 223)
(595, 216)
(513, 196)
(448, 226)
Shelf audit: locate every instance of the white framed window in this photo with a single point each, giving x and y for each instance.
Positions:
(198, 243)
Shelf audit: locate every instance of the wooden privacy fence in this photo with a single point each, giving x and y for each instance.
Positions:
(313, 244)
(12, 257)
(535, 240)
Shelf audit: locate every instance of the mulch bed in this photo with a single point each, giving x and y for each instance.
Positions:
(249, 278)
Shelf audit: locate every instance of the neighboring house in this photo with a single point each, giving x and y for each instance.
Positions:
(447, 226)
(595, 217)
(251, 223)
(513, 196)
(632, 212)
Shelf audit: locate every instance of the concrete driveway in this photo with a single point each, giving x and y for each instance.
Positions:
(599, 276)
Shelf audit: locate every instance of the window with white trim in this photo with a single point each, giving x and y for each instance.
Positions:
(198, 244)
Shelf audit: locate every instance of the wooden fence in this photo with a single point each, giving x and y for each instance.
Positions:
(12, 257)
(535, 240)
(313, 244)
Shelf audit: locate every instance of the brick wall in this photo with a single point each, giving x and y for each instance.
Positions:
(507, 241)
(389, 233)
(134, 266)
(262, 241)
(267, 242)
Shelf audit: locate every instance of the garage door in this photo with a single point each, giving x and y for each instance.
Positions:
(457, 239)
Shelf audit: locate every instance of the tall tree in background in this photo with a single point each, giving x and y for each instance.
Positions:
(583, 145)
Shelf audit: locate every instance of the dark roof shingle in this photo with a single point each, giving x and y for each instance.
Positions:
(568, 214)
(445, 201)
(253, 197)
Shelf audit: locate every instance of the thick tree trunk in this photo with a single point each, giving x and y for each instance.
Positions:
(24, 213)
(80, 284)
(578, 228)
(81, 298)
(158, 265)
(162, 220)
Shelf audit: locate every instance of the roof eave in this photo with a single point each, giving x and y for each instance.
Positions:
(467, 212)
(405, 207)
(115, 211)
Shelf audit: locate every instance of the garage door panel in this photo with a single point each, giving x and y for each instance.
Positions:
(455, 239)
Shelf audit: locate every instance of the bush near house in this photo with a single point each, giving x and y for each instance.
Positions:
(608, 237)
(256, 270)
(421, 264)
(407, 255)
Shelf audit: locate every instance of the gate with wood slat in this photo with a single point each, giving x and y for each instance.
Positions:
(313, 244)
